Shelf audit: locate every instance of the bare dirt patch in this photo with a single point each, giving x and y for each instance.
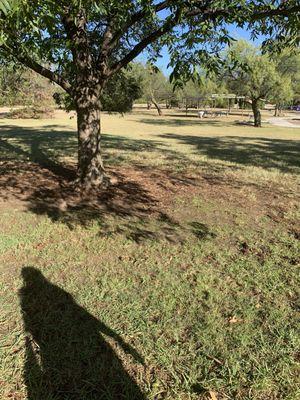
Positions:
(140, 198)
(135, 192)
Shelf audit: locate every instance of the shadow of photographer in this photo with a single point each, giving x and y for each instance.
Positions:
(67, 355)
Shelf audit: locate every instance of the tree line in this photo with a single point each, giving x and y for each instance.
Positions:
(243, 71)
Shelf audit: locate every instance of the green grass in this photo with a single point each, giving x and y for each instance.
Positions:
(181, 282)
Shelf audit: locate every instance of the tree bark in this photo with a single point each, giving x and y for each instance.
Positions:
(276, 113)
(256, 112)
(91, 172)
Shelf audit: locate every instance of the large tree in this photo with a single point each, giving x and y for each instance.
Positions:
(81, 44)
(255, 76)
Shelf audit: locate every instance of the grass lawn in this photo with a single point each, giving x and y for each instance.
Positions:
(179, 282)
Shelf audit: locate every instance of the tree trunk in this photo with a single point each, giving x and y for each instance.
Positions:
(276, 111)
(229, 105)
(157, 106)
(91, 172)
(256, 112)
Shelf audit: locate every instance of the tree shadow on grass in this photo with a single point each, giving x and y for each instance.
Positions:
(67, 353)
(264, 152)
(49, 145)
(32, 171)
(173, 121)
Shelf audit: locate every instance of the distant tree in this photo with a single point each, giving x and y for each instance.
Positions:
(253, 75)
(190, 90)
(20, 86)
(282, 93)
(10, 81)
(155, 86)
(202, 89)
(120, 92)
(171, 95)
(288, 66)
(81, 45)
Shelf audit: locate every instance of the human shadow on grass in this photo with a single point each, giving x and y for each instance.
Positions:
(31, 171)
(68, 356)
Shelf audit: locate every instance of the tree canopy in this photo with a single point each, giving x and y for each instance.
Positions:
(112, 33)
(255, 75)
(80, 45)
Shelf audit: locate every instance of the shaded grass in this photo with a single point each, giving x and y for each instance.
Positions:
(189, 285)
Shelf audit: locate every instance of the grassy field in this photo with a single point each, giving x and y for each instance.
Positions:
(179, 282)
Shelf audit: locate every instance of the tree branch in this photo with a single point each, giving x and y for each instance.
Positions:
(171, 23)
(268, 12)
(47, 73)
(35, 66)
(105, 48)
(76, 31)
(138, 16)
(166, 27)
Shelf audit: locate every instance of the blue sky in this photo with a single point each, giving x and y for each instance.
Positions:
(236, 33)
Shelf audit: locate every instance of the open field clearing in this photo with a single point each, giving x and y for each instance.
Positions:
(180, 281)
